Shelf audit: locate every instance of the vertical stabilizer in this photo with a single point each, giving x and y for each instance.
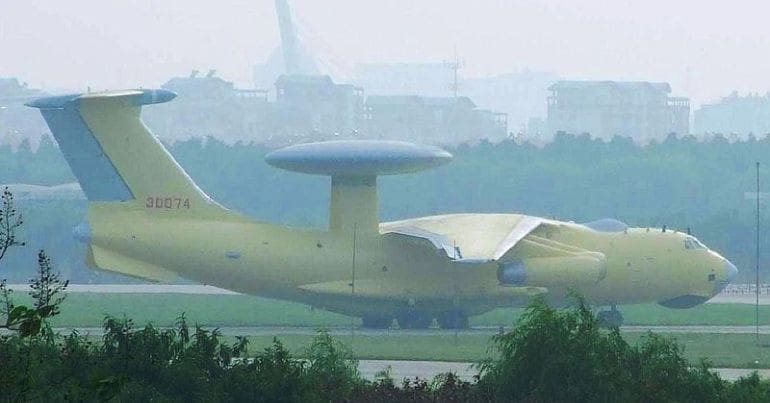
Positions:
(114, 155)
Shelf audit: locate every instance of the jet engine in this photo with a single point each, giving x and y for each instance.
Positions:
(562, 271)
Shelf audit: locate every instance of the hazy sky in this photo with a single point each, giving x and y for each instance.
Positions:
(705, 49)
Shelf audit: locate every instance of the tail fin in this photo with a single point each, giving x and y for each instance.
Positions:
(113, 154)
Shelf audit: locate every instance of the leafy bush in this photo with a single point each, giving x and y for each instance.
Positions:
(564, 355)
(552, 355)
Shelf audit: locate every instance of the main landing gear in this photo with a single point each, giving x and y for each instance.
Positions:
(454, 319)
(611, 317)
(375, 321)
(416, 319)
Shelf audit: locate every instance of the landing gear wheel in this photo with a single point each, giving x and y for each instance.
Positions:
(414, 320)
(611, 318)
(375, 321)
(453, 320)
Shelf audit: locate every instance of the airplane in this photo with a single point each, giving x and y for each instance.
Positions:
(148, 219)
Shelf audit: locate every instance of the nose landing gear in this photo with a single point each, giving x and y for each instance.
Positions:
(414, 319)
(610, 318)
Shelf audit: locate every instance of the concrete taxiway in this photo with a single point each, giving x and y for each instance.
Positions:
(730, 296)
(399, 370)
(345, 331)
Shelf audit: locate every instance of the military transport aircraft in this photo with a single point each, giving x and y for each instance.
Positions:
(148, 219)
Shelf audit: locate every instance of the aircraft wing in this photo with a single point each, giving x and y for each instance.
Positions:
(521, 246)
(466, 238)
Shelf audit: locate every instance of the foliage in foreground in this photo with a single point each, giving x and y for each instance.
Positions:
(564, 355)
(552, 355)
(46, 288)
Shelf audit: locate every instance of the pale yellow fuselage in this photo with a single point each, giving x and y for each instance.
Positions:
(237, 253)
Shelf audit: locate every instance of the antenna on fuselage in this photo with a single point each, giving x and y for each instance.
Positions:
(353, 285)
(456, 286)
(756, 306)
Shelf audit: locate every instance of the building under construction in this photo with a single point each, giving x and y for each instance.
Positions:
(643, 111)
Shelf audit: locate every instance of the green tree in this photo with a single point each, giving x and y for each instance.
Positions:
(10, 221)
(565, 355)
(46, 287)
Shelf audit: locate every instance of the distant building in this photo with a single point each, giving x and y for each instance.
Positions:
(210, 87)
(430, 119)
(537, 128)
(17, 122)
(315, 108)
(207, 105)
(643, 111)
(519, 95)
(13, 91)
(735, 115)
(313, 103)
(428, 78)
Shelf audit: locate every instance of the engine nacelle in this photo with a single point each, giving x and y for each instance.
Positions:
(583, 269)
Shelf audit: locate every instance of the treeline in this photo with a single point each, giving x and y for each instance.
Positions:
(680, 182)
(551, 356)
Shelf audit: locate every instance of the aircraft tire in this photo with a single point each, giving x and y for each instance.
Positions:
(374, 321)
(453, 320)
(414, 320)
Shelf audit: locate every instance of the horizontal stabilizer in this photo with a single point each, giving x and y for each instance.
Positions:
(106, 260)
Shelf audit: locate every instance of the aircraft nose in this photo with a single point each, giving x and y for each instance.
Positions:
(731, 270)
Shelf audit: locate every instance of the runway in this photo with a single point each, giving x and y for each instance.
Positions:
(429, 369)
(731, 295)
(346, 331)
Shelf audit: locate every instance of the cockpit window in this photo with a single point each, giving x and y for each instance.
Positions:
(692, 243)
